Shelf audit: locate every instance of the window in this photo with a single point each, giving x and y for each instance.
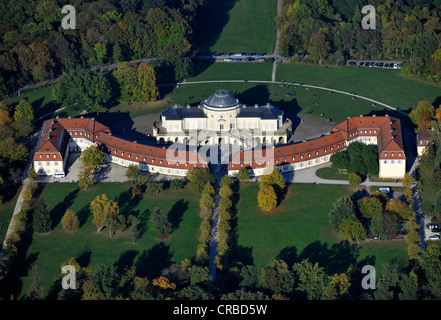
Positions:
(375, 131)
(332, 148)
(160, 161)
(177, 164)
(47, 156)
(385, 161)
(309, 155)
(293, 158)
(338, 146)
(277, 161)
(393, 154)
(168, 162)
(399, 154)
(56, 163)
(137, 158)
(145, 159)
(76, 133)
(301, 157)
(55, 156)
(284, 160)
(39, 163)
(153, 160)
(385, 154)
(41, 156)
(122, 153)
(81, 133)
(316, 153)
(130, 156)
(115, 151)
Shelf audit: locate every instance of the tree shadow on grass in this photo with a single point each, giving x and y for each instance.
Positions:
(126, 259)
(177, 212)
(151, 263)
(60, 209)
(335, 259)
(127, 203)
(83, 215)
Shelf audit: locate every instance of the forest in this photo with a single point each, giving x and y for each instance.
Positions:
(330, 31)
(35, 47)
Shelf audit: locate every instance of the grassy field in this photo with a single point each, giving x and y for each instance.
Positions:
(237, 26)
(232, 71)
(149, 255)
(387, 86)
(329, 173)
(297, 230)
(10, 195)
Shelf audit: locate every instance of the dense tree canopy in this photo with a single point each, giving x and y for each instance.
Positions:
(331, 31)
(34, 46)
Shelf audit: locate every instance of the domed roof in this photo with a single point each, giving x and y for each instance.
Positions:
(221, 99)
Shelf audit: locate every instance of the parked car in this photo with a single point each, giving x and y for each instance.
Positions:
(386, 65)
(381, 65)
(436, 230)
(376, 65)
(384, 189)
(261, 60)
(361, 64)
(371, 64)
(249, 59)
(59, 175)
(434, 237)
(238, 60)
(238, 54)
(395, 65)
(228, 59)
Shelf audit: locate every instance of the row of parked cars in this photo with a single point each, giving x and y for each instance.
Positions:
(434, 228)
(385, 65)
(238, 55)
(249, 59)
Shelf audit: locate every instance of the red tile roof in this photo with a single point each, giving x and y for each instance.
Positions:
(386, 129)
(52, 131)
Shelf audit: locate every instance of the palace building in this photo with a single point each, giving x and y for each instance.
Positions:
(59, 137)
(223, 119)
(385, 132)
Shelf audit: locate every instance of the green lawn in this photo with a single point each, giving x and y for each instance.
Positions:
(299, 228)
(237, 26)
(10, 195)
(41, 100)
(232, 71)
(149, 255)
(387, 86)
(329, 173)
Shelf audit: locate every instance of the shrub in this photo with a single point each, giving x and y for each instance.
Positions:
(354, 179)
(267, 198)
(70, 221)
